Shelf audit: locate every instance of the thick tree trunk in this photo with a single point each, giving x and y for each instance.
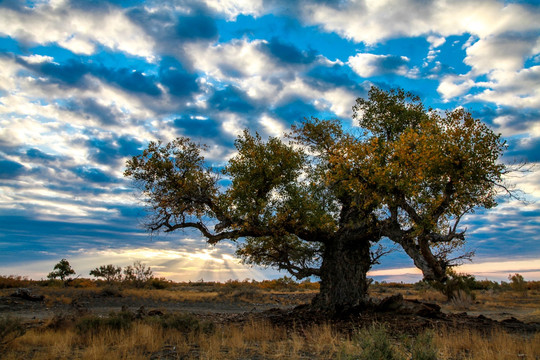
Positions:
(423, 258)
(344, 281)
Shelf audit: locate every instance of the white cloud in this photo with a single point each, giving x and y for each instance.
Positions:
(235, 59)
(76, 30)
(435, 41)
(502, 38)
(375, 20)
(243, 64)
(233, 8)
(367, 65)
(506, 53)
(272, 126)
(452, 86)
(513, 88)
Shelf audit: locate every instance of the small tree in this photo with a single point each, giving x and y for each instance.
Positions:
(138, 274)
(517, 282)
(61, 270)
(109, 272)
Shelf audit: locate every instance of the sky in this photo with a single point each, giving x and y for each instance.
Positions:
(85, 85)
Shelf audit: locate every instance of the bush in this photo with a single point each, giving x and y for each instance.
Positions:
(91, 324)
(461, 300)
(160, 283)
(10, 329)
(110, 291)
(82, 283)
(376, 344)
(517, 282)
(185, 323)
(423, 347)
(138, 275)
(282, 284)
(12, 281)
(456, 285)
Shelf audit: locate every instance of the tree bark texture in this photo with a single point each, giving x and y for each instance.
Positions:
(344, 281)
(423, 259)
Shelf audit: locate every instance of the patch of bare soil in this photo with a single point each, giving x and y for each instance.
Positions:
(32, 304)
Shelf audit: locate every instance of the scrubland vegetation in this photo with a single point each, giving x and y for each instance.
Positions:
(129, 334)
(119, 336)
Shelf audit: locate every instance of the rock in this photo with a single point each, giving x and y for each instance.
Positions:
(396, 303)
(155, 312)
(26, 294)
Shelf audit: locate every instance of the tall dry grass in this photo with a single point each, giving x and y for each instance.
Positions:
(497, 345)
(185, 337)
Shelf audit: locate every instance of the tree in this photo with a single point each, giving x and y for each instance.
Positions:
(109, 272)
(61, 270)
(517, 282)
(319, 204)
(138, 274)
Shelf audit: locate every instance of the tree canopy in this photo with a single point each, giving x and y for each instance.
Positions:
(61, 270)
(317, 201)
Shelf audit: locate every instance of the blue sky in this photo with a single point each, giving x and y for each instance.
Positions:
(84, 85)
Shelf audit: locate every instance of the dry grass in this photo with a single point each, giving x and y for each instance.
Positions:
(187, 338)
(498, 345)
(182, 295)
(261, 340)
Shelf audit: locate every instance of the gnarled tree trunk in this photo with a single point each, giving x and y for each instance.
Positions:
(423, 258)
(344, 281)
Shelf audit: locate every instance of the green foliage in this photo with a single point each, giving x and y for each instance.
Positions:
(376, 344)
(409, 175)
(61, 270)
(185, 323)
(423, 348)
(139, 275)
(93, 324)
(10, 329)
(517, 282)
(455, 284)
(109, 272)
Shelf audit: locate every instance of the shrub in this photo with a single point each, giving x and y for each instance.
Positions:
(109, 272)
(423, 347)
(138, 274)
(10, 329)
(91, 324)
(110, 291)
(376, 344)
(160, 283)
(185, 323)
(82, 283)
(517, 282)
(13, 281)
(455, 284)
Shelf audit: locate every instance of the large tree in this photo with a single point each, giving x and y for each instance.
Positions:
(318, 203)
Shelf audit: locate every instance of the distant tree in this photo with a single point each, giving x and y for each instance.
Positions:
(62, 270)
(319, 205)
(517, 282)
(109, 272)
(138, 274)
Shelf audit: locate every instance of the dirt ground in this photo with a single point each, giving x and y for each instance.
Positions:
(56, 302)
(408, 311)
